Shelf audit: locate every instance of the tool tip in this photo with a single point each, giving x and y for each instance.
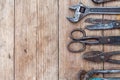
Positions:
(74, 20)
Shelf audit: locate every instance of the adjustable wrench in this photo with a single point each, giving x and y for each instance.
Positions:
(81, 11)
(101, 1)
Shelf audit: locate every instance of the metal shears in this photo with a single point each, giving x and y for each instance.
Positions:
(102, 24)
(98, 56)
(84, 75)
(91, 40)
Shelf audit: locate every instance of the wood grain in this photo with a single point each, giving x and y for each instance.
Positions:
(25, 39)
(70, 63)
(34, 38)
(47, 40)
(6, 39)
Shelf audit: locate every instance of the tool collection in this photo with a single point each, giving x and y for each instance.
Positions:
(95, 24)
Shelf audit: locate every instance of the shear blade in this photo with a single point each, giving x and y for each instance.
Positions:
(99, 27)
(96, 21)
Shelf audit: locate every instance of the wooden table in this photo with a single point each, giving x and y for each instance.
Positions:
(33, 39)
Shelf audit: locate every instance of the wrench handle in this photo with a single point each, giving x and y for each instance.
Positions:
(104, 10)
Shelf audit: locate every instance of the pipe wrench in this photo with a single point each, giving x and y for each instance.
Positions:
(84, 75)
(81, 11)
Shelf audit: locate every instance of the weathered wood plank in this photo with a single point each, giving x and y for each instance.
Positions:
(47, 40)
(71, 63)
(112, 33)
(6, 39)
(25, 39)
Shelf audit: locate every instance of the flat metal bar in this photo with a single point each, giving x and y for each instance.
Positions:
(108, 10)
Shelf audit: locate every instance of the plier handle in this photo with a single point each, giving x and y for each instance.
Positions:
(98, 56)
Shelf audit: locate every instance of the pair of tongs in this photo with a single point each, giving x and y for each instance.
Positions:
(102, 24)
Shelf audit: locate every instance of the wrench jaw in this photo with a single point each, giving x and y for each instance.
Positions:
(80, 12)
(74, 19)
(74, 7)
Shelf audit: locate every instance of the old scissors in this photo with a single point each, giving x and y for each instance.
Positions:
(102, 24)
(90, 40)
(84, 75)
(98, 56)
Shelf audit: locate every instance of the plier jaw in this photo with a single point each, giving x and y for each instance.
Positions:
(94, 56)
(98, 56)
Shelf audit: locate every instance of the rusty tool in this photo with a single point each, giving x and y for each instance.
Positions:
(102, 24)
(81, 11)
(101, 1)
(98, 56)
(84, 75)
(90, 40)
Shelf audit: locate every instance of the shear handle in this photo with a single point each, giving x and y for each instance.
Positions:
(76, 51)
(91, 40)
(97, 21)
(77, 31)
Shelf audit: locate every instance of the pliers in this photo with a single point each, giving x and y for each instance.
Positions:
(84, 75)
(98, 56)
(102, 24)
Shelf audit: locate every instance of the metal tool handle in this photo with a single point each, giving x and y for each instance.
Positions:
(93, 72)
(108, 10)
(83, 41)
(101, 1)
(76, 51)
(104, 79)
(113, 61)
(77, 31)
(114, 53)
(103, 72)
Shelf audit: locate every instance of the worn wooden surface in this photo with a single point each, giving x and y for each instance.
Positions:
(34, 35)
